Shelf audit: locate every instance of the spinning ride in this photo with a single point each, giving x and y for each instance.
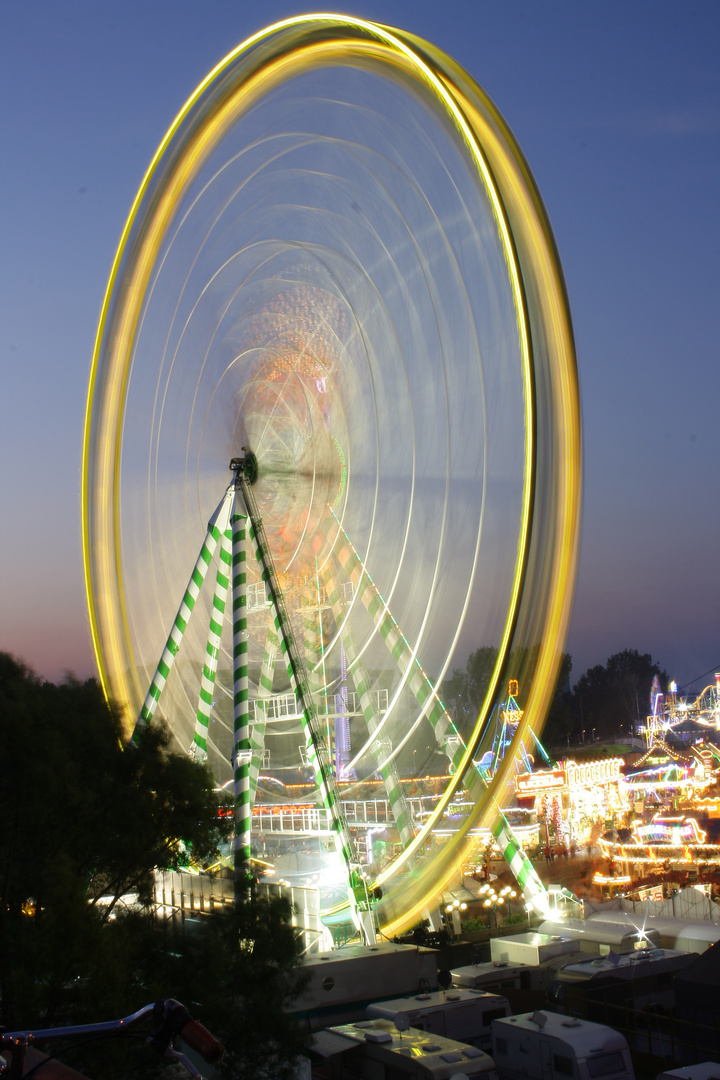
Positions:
(338, 258)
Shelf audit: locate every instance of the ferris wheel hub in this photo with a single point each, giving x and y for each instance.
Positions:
(245, 467)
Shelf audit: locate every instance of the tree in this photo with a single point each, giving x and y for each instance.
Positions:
(615, 696)
(559, 723)
(84, 823)
(465, 691)
(237, 971)
(243, 969)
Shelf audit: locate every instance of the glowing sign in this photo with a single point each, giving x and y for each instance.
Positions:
(603, 879)
(591, 773)
(675, 831)
(538, 782)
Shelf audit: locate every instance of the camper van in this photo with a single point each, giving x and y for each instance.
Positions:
(548, 1046)
(599, 988)
(531, 948)
(706, 1070)
(595, 936)
(688, 934)
(377, 1050)
(495, 977)
(522, 968)
(343, 982)
(465, 1015)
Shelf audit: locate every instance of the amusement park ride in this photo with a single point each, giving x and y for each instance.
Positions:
(669, 711)
(671, 783)
(373, 331)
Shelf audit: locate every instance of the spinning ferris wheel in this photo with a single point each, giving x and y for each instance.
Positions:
(339, 276)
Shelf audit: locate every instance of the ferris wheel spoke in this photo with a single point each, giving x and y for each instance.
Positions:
(396, 796)
(446, 734)
(315, 747)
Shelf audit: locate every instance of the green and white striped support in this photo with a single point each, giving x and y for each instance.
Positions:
(216, 527)
(446, 734)
(533, 889)
(257, 729)
(316, 749)
(242, 753)
(212, 649)
(361, 681)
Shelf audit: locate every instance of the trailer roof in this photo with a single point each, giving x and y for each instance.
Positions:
(583, 1036)
(434, 999)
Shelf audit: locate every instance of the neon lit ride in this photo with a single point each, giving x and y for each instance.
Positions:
(337, 259)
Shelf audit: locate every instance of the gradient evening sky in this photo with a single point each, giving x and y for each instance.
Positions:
(617, 109)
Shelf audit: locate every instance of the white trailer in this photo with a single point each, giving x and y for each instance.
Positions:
(549, 1046)
(376, 1050)
(345, 981)
(531, 948)
(706, 1070)
(611, 984)
(465, 1015)
(596, 936)
(689, 935)
(497, 977)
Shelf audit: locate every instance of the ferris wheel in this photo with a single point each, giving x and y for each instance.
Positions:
(338, 268)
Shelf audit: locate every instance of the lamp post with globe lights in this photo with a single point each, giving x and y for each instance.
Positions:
(455, 910)
(492, 900)
(510, 894)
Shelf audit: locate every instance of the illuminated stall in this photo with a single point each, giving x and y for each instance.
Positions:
(571, 798)
(668, 841)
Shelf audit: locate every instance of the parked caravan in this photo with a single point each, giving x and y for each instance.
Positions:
(593, 935)
(531, 948)
(685, 934)
(465, 1015)
(524, 985)
(604, 988)
(377, 1050)
(496, 977)
(549, 1046)
(706, 1070)
(345, 981)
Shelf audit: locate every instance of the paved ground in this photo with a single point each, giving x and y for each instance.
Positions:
(575, 874)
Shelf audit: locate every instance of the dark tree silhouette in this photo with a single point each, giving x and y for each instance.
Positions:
(83, 823)
(616, 696)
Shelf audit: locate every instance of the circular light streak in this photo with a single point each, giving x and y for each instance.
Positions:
(339, 257)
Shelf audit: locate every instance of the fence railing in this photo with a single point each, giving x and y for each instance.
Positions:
(285, 706)
(291, 818)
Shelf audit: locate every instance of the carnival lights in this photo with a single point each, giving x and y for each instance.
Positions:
(664, 839)
(328, 379)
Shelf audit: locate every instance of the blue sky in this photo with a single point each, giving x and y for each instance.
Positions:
(617, 109)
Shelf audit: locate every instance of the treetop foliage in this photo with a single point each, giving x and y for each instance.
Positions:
(608, 698)
(84, 824)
